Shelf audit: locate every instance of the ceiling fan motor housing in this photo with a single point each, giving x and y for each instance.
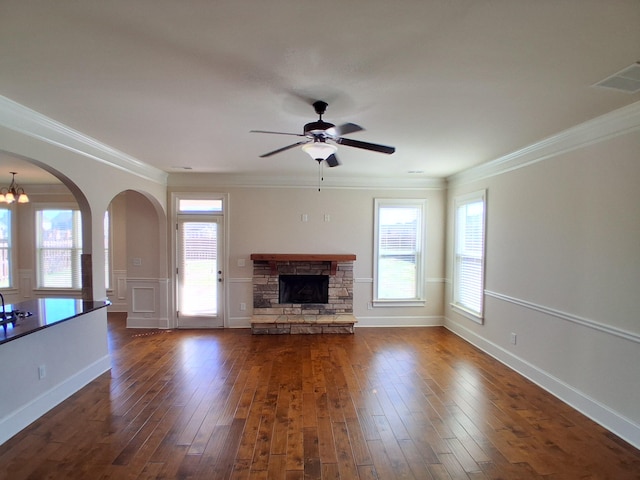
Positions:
(317, 127)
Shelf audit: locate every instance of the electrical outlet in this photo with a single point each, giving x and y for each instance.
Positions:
(241, 262)
(369, 306)
(42, 372)
(327, 217)
(243, 306)
(514, 338)
(304, 217)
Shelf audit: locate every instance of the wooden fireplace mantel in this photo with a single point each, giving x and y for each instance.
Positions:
(274, 258)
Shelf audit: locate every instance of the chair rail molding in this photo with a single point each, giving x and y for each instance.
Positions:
(585, 322)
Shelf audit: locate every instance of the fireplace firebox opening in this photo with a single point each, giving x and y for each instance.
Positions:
(303, 289)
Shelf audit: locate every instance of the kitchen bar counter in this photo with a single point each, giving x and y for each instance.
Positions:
(45, 312)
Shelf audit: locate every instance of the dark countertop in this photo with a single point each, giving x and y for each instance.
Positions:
(45, 312)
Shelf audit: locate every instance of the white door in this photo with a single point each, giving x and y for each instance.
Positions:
(199, 271)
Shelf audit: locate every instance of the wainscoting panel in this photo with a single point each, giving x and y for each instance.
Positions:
(239, 302)
(148, 305)
(143, 300)
(118, 292)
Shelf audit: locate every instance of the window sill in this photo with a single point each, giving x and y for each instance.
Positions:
(398, 303)
(57, 292)
(473, 316)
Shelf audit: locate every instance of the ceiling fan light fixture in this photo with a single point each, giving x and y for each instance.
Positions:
(319, 150)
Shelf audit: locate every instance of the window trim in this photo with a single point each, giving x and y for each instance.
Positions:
(41, 290)
(108, 278)
(420, 299)
(460, 201)
(206, 196)
(12, 254)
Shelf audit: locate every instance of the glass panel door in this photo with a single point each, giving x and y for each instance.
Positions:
(200, 279)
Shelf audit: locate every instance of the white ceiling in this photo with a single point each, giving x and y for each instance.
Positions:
(450, 84)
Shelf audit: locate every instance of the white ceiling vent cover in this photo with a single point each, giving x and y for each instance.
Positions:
(627, 80)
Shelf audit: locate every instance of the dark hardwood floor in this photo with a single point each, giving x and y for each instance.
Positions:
(414, 403)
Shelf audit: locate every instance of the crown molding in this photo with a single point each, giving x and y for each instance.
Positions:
(619, 122)
(280, 181)
(19, 118)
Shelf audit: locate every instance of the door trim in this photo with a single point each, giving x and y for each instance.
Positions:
(175, 197)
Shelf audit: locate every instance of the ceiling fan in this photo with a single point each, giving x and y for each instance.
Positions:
(321, 137)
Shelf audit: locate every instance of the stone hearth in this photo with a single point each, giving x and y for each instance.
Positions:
(272, 317)
(301, 324)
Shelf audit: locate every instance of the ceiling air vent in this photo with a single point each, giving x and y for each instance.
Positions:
(627, 80)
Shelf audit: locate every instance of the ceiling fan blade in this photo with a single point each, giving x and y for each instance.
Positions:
(277, 133)
(332, 160)
(344, 129)
(365, 145)
(293, 145)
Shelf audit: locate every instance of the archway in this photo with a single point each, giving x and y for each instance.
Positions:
(140, 285)
(47, 188)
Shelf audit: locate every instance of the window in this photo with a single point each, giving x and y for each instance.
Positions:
(58, 248)
(199, 205)
(468, 273)
(398, 269)
(107, 241)
(5, 248)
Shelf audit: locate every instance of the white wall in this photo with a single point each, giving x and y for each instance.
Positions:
(73, 353)
(268, 220)
(562, 273)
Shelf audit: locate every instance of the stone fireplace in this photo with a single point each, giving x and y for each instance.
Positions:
(302, 293)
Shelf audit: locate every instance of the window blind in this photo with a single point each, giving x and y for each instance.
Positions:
(59, 247)
(469, 255)
(398, 252)
(5, 248)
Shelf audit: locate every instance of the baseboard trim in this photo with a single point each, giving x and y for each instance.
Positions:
(239, 322)
(27, 414)
(596, 411)
(146, 322)
(400, 321)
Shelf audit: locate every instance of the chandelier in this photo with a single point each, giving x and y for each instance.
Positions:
(13, 192)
